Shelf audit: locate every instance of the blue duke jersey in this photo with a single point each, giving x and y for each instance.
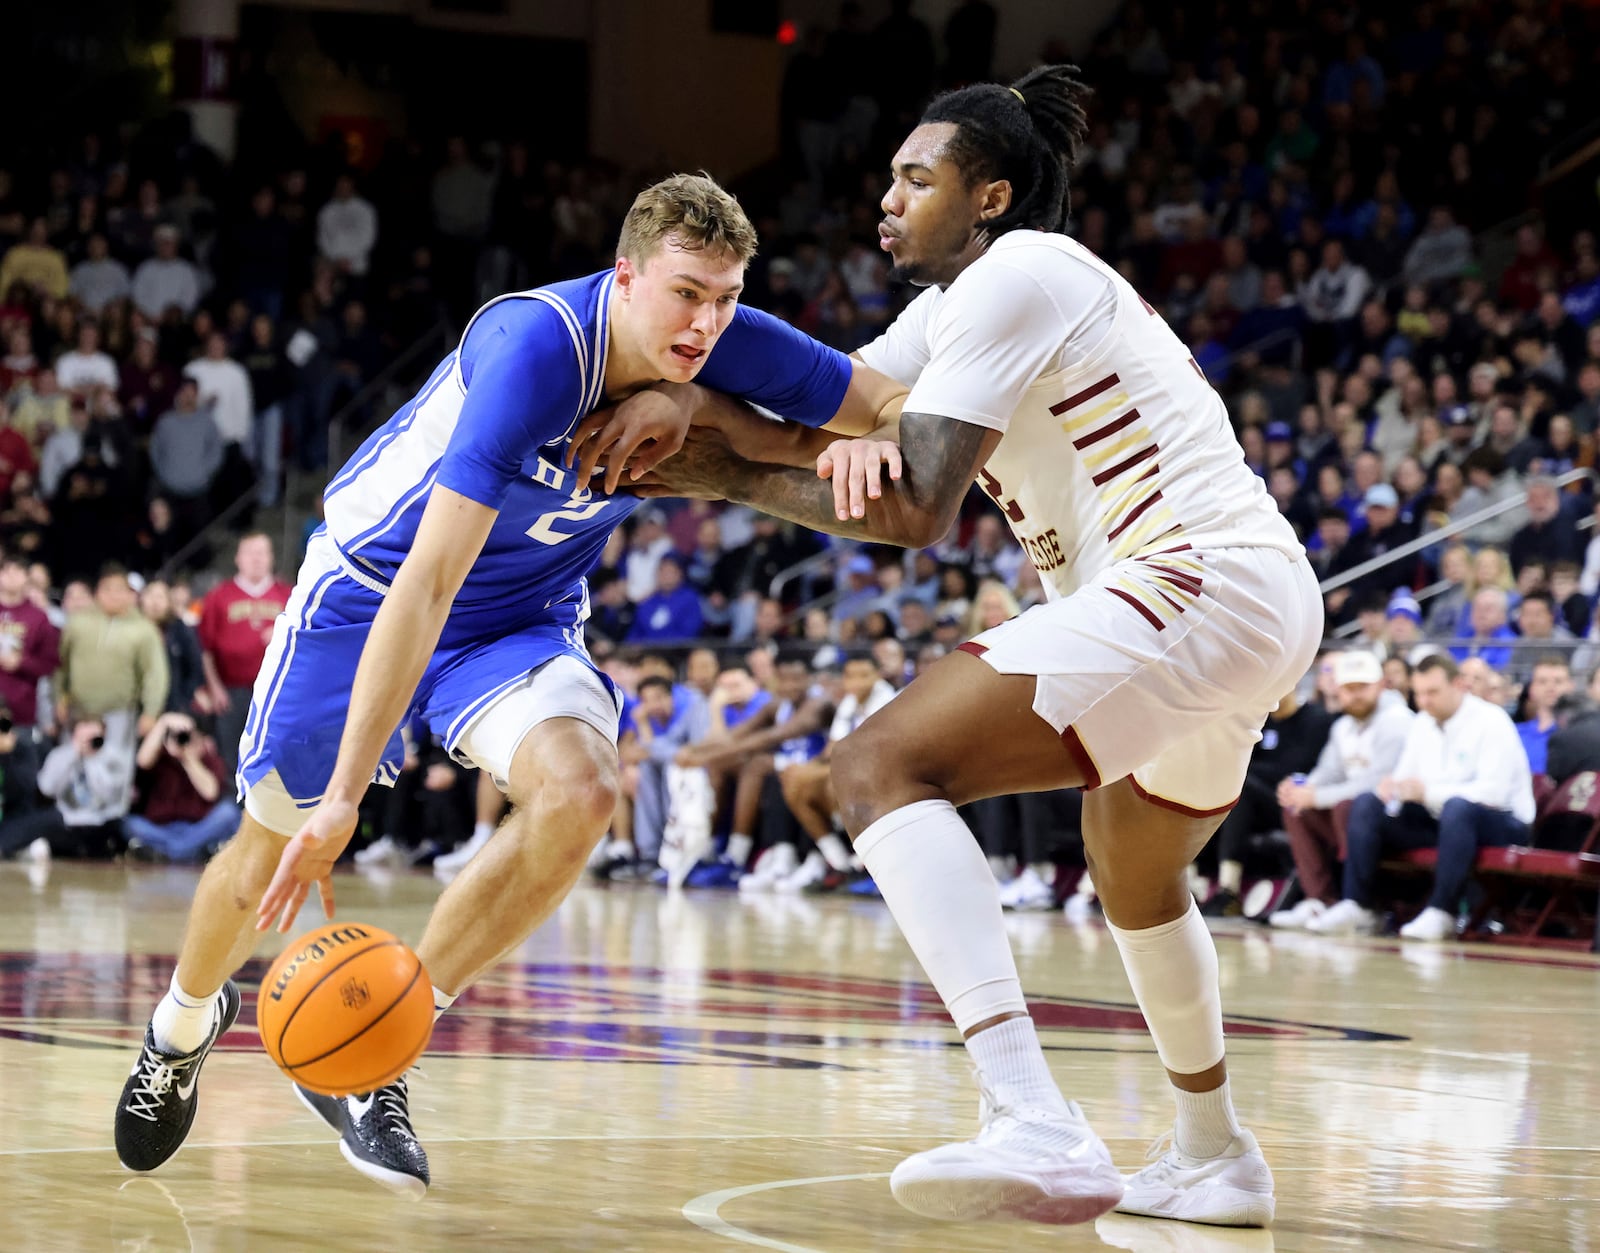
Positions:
(492, 423)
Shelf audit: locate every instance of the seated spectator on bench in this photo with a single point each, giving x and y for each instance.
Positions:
(1290, 743)
(1363, 748)
(1574, 746)
(1551, 681)
(185, 811)
(1462, 783)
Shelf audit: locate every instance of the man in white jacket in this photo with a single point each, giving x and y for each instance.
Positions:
(1462, 783)
(1363, 748)
(347, 228)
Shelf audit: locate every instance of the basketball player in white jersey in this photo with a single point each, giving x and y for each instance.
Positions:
(1181, 609)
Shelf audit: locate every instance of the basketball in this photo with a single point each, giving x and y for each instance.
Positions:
(345, 1009)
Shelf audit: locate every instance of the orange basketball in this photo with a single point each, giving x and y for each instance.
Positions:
(345, 1009)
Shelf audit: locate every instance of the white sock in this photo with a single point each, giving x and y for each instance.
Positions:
(1009, 1056)
(1046, 870)
(936, 882)
(1206, 1122)
(1173, 970)
(623, 849)
(442, 1001)
(182, 1022)
(1230, 876)
(739, 847)
(835, 851)
(481, 831)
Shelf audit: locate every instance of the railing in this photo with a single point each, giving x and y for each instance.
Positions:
(206, 536)
(1448, 531)
(340, 421)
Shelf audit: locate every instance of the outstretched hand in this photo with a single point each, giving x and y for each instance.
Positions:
(308, 859)
(856, 467)
(635, 436)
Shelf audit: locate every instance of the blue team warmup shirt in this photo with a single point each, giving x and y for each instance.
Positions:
(493, 423)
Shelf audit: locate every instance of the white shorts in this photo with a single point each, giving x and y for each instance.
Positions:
(1164, 668)
(561, 688)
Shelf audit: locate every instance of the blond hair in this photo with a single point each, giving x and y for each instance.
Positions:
(695, 212)
(990, 587)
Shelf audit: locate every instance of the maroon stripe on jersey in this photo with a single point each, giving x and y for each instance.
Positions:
(1168, 599)
(1177, 548)
(1136, 512)
(1161, 802)
(1111, 428)
(1088, 393)
(1080, 754)
(1179, 578)
(1122, 467)
(973, 647)
(1144, 609)
(1197, 369)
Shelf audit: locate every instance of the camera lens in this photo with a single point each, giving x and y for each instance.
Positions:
(97, 743)
(180, 737)
(5, 726)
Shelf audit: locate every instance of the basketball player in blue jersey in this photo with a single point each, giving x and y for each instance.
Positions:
(448, 581)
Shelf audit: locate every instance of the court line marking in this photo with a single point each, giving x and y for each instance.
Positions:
(702, 1210)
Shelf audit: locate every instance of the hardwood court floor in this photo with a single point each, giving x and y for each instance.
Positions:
(705, 1072)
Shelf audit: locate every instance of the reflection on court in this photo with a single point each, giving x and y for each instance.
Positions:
(708, 1072)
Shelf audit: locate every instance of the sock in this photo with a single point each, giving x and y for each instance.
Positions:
(936, 882)
(622, 849)
(1046, 870)
(1230, 876)
(739, 847)
(1009, 1056)
(481, 831)
(1173, 970)
(182, 1022)
(835, 851)
(442, 1001)
(1206, 1122)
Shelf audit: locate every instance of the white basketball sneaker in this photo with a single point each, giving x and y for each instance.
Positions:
(1233, 1189)
(1035, 1165)
(1298, 918)
(1344, 918)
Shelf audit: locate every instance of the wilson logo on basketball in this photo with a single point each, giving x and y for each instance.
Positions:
(354, 994)
(326, 942)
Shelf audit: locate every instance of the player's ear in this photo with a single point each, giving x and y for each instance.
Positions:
(626, 273)
(996, 199)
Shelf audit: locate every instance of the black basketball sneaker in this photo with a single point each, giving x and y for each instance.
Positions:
(160, 1098)
(375, 1135)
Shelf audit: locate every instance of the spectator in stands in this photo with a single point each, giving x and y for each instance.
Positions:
(113, 664)
(89, 777)
(225, 392)
(186, 455)
(1489, 633)
(86, 366)
(1551, 680)
(1462, 784)
(808, 787)
(186, 806)
(1397, 674)
(1442, 251)
(166, 281)
(671, 612)
(646, 546)
(186, 688)
(1291, 742)
(347, 229)
(236, 621)
(35, 264)
(147, 384)
(99, 279)
(1549, 535)
(668, 717)
(19, 772)
(1403, 624)
(1575, 745)
(28, 645)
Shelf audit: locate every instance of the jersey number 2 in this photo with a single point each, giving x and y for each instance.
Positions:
(544, 529)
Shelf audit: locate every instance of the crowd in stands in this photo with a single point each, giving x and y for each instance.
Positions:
(1302, 191)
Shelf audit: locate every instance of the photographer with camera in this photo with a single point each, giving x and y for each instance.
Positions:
(184, 812)
(89, 781)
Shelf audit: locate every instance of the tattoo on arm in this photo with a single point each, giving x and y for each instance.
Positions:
(941, 458)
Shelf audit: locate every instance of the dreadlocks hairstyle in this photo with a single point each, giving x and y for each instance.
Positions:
(1029, 134)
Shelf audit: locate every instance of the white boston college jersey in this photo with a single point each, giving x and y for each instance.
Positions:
(1115, 446)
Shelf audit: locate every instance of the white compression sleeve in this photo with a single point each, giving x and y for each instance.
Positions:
(1173, 970)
